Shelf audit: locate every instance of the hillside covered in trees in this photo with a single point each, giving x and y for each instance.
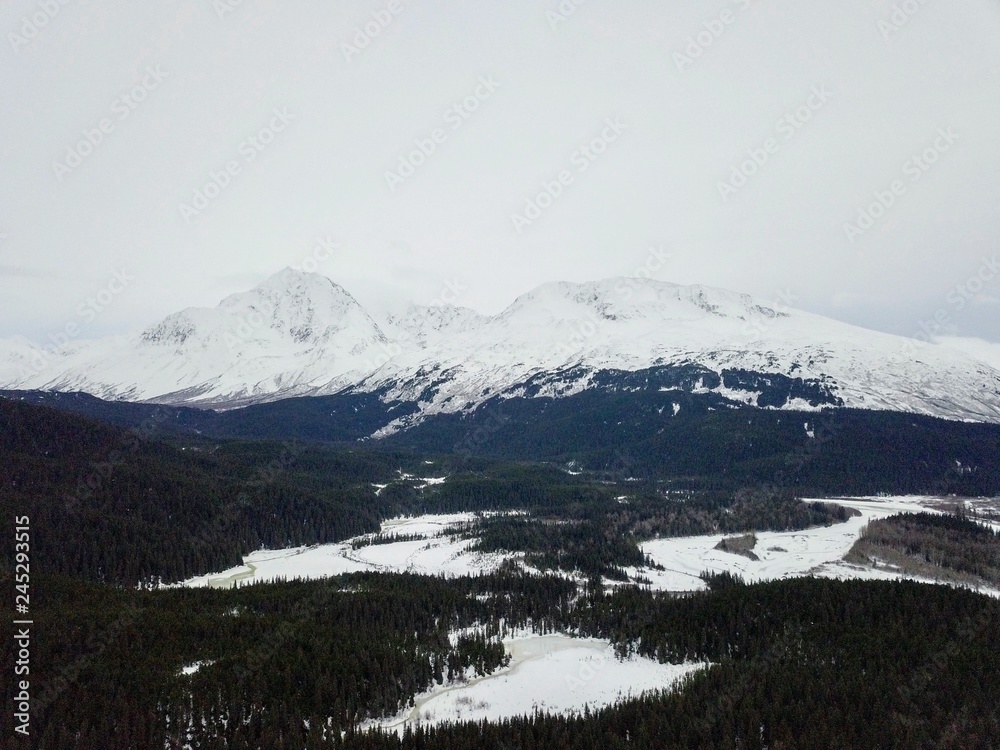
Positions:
(798, 663)
(635, 430)
(942, 546)
(120, 506)
(293, 664)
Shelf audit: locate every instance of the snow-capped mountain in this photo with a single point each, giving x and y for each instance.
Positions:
(301, 334)
(555, 340)
(420, 326)
(294, 334)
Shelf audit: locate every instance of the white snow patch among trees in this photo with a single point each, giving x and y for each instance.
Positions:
(787, 554)
(554, 674)
(433, 554)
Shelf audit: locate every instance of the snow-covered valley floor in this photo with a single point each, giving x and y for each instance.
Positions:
(559, 673)
(432, 555)
(787, 554)
(552, 674)
(819, 551)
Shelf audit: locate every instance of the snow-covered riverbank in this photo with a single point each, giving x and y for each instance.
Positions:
(788, 554)
(432, 554)
(819, 551)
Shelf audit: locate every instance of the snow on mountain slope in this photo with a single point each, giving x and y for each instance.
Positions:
(19, 359)
(296, 333)
(561, 334)
(301, 334)
(422, 325)
(984, 351)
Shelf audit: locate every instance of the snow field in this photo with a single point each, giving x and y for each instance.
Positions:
(819, 551)
(561, 674)
(431, 555)
(555, 674)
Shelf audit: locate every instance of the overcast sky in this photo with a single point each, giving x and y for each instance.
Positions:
(724, 142)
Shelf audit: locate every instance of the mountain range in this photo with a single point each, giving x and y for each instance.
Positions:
(301, 334)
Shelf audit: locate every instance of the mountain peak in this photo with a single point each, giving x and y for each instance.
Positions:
(290, 279)
(299, 333)
(636, 297)
(295, 332)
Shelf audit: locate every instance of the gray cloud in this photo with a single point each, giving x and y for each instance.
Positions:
(22, 272)
(278, 125)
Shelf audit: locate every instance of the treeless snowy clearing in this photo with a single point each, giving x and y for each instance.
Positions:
(552, 674)
(432, 555)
